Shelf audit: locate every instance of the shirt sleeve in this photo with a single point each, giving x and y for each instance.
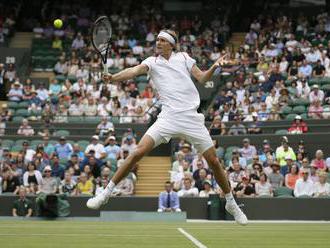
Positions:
(189, 61)
(149, 62)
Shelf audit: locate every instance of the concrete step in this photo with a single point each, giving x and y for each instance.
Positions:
(21, 40)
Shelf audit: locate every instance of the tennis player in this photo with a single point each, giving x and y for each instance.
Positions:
(171, 73)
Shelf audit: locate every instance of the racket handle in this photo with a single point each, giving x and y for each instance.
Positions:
(105, 69)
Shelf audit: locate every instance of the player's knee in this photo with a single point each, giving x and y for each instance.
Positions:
(139, 152)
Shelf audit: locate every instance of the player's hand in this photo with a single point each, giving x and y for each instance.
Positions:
(221, 61)
(107, 77)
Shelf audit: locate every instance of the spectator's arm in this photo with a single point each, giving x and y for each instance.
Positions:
(286, 181)
(176, 201)
(160, 202)
(14, 212)
(16, 190)
(29, 214)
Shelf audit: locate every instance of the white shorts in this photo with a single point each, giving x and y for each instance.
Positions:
(188, 125)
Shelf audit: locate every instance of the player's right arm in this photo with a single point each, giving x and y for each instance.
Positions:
(127, 73)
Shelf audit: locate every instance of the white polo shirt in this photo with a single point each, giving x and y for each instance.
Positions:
(98, 148)
(172, 80)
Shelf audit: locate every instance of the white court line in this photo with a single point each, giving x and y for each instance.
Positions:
(191, 238)
(263, 221)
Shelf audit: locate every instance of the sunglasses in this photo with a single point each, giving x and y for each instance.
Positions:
(48, 171)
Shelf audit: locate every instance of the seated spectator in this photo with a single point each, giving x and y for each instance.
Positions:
(263, 113)
(62, 115)
(104, 127)
(22, 206)
(67, 185)
(247, 151)
(178, 162)
(319, 162)
(275, 178)
(315, 110)
(322, 188)
(244, 188)
(292, 177)
(304, 186)
(97, 147)
(85, 186)
(28, 152)
(32, 178)
(217, 127)
(78, 42)
(100, 188)
(168, 200)
(200, 178)
(42, 92)
(316, 94)
(298, 126)
(197, 160)
(255, 126)
(188, 190)
(128, 144)
(237, 128)
(208, 190)
(63, 149)
(93, 163)
(48, 148)
(48, 184)
(263, 187)
(16, 93)
(57, 169)
(91, 108)
(25, 129)
(111, 148)
(236, 173)
(124, 188)
(61, 67)
(318, 70)
(284, 151)
(10, 182)
(305, 69)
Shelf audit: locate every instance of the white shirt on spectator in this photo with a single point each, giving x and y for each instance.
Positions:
(318, 96)
(304, 187)
(320, 189)
(192, 192)
(43, 94)
(78, 43)
(98, 148)
(137, 50)
(76, 110)
(263, 189)
(29, 155)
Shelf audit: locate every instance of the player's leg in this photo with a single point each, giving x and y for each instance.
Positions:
(144, 147)
(221, 178)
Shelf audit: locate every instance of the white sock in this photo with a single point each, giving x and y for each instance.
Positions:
(229, 197)
(108, 190)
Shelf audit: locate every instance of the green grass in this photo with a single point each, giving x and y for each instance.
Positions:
(67, 234)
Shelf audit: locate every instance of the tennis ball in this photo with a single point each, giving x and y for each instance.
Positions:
(58, 23)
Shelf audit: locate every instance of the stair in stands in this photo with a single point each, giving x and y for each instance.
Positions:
(152, 174)
(236, 40)
(21, 40)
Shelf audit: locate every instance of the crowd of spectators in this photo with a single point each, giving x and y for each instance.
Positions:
(283, 61)
(254, 171)
(65, 168)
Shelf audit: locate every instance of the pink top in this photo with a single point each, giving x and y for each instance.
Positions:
(320, 164)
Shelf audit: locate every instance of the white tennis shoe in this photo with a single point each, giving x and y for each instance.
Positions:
(97, 201)
(236, 212)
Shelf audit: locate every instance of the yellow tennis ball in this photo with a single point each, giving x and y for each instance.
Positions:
(58, 23)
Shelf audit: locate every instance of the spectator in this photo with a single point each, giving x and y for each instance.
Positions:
(48, 184)
(61, 67)
(25, 129)
(298, 126)
(22, 206)
(244, 188)
(32, 178)
(124, 188)
(217, 127)
(237, 128)
(57, 169)
(292, 177)
(275, 178)
(188, 190)
(316, 94)
(85, 186)
(43, 93)
(236, 174)
(207, 189)
(67, 185)
(178, 162)
(78, 42)
(304, 186)
(318, 70)
(16, 93)
(10, 182)
(247, 151)
(168, 200)
(100, 188)
(129, 144)
(263, 187)
(284, 151)
(104, 127)
(48, 147)
(112, 149)
(319, 162)
(28, 152)
(315, 110)
(100, 152)
(322, 188)
(255, 125)
(202, 176)
(63, 149)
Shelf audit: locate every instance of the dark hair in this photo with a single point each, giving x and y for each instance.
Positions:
(168, 182)
(31, 163)
(263, 174)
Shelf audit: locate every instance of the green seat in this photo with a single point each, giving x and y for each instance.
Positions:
(286, 110)
(19, 142)
(141, 86)
(7, 143)
(83, 144)
(92, 119)
(18, 119)
(16, 148)
(315, 81)
(304, 116)
(290, 117)
(23, 105)
(36, 142)
(283, 191)
(300, 101)
(72, 78)
(60, 78)
(13, 105)
(61, 133)
(231, 148)
(75, 119)
(299, 109)
(22, 112)
(141, 79)
(325, 80)
(115, 119)
(281, 132)
(53, 142)
(326, 87)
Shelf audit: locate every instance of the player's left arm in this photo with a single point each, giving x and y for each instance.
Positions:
(204, 76)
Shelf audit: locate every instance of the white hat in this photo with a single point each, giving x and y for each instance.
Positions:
(315, 86)
(95, 137)
(254, 114)
(112, 138)
(47, 168)
(298, 117)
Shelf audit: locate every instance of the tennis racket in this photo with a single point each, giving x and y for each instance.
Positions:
(101, 38)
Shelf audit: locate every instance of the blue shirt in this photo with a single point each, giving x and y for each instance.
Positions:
(112, 151)
(57, 171)
(163, 200)
(49, 149)
(306, 70)
(63, 151)
(55, 89)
